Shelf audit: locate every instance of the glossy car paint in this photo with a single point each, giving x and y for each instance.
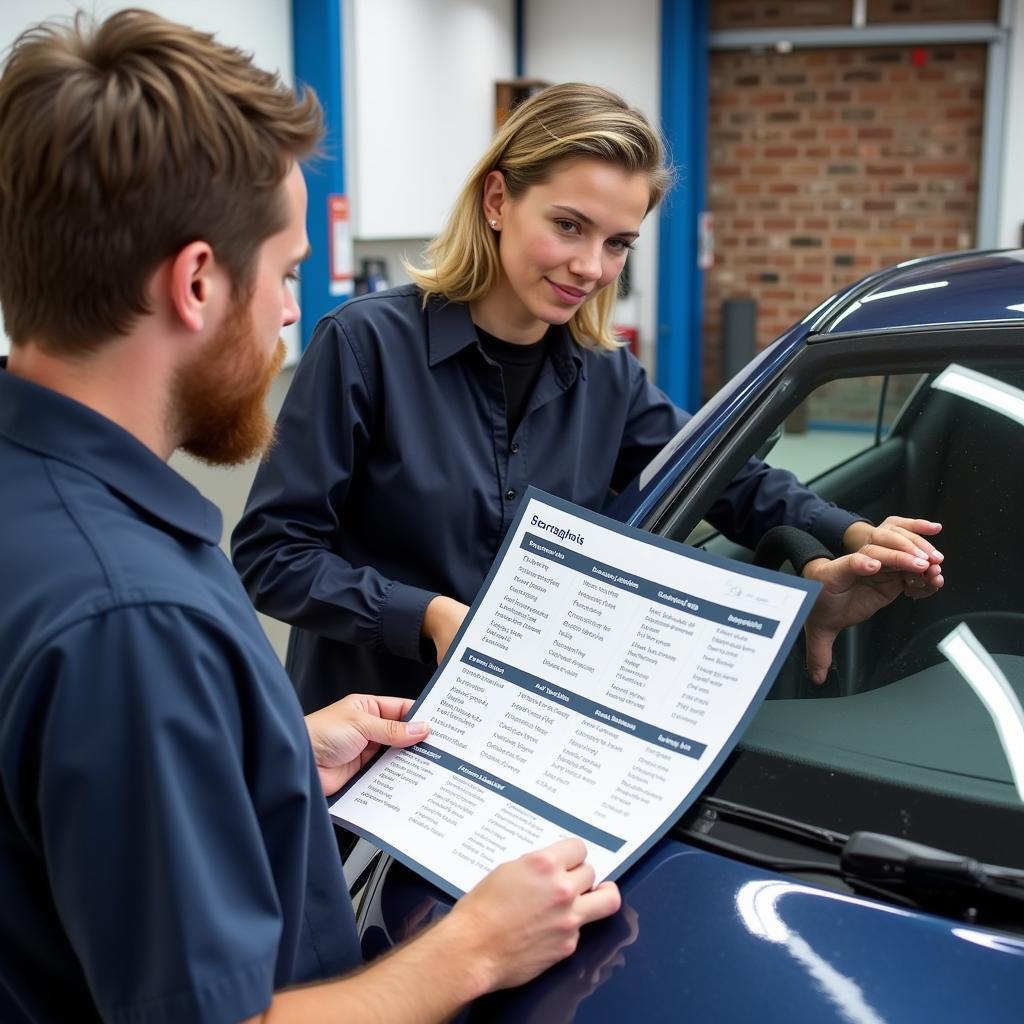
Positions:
(705, 937)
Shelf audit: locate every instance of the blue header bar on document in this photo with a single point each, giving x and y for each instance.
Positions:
(744, 622)
(583, 705)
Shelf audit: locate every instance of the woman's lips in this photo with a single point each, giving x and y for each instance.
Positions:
(568, 294)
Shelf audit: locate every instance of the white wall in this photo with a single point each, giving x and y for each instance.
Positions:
(419, 106)
(1011, 212)
(262, 27)
(617, 44)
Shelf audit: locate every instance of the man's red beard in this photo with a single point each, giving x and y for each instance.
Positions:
(218, 401)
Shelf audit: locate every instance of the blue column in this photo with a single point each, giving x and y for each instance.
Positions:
(316, 40)
(684, 101)
(519, 29)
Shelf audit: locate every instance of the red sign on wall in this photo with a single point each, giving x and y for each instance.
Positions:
(339, 242)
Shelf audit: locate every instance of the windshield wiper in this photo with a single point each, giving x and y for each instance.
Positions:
(782, 845)
(712, 809)
(886, 867)
(932, 879)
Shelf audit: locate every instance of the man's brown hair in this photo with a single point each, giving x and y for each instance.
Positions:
(120, 143)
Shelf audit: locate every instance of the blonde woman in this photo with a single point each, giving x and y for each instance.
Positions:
(418, 416)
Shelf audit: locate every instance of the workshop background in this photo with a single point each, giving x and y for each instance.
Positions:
(814, 141)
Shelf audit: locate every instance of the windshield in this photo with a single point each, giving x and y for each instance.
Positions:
(920, 728)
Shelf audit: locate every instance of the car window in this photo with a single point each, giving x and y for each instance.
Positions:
(839, 420)
(927, 695)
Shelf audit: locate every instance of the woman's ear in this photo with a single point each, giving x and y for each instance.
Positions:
(494, 199)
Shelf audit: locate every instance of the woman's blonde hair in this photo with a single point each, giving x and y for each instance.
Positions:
(562, 122)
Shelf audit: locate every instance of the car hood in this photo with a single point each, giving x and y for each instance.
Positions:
(705, 938)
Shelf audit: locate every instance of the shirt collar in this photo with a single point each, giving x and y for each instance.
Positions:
(58, 427)
(450, 330)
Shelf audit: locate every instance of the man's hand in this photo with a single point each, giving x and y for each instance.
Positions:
(901, 545)
(523, 917)
(441, 622)
(853, 588)
(347, 733)
(526, 914)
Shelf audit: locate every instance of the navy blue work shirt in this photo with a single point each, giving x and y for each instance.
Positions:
(167, 852)
(394, 479)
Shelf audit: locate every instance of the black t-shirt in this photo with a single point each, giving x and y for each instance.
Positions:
(520, 368)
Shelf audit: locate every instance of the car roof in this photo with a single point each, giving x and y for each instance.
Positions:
(948, 290)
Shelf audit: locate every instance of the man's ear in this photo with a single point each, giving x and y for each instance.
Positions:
(192, 285)
(494, 198)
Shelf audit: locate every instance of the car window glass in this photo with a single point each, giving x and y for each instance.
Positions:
(926, 694)
(838, 420)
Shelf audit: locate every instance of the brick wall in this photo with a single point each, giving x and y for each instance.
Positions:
(824, 165)
(907, 11)
(739, 14)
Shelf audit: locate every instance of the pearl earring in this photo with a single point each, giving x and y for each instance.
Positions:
(494, 224)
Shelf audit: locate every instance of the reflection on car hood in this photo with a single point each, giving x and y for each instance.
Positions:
(706, 938)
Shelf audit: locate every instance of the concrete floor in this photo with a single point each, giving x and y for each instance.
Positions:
(810, 453)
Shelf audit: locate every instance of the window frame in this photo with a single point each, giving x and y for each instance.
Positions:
(820, 359)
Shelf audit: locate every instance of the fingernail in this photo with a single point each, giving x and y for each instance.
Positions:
(872, 564)
(938, 555)
(417, 728)
(921, 563)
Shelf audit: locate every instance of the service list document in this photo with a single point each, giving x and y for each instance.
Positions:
(599, 680)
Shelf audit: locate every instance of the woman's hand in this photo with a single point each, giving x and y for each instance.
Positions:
(902, 547)
(441, 622)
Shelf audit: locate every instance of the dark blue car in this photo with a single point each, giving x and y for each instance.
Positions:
(860, 856)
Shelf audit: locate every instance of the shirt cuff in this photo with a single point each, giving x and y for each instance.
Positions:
(830, 524)
(783, 544)
(401, 621)
(239, 995)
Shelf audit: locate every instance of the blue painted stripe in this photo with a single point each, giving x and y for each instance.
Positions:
(684, 99)
(838, 426)
(317, 44)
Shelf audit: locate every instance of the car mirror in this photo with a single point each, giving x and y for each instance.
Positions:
(770, 442)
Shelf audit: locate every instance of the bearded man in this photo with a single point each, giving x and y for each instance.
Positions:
(167, 852)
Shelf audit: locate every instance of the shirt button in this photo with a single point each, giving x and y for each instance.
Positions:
(510, 495)
(514, 447)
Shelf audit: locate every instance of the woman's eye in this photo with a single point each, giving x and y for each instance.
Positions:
(619, 245)
(292, 276)
(566, 225)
